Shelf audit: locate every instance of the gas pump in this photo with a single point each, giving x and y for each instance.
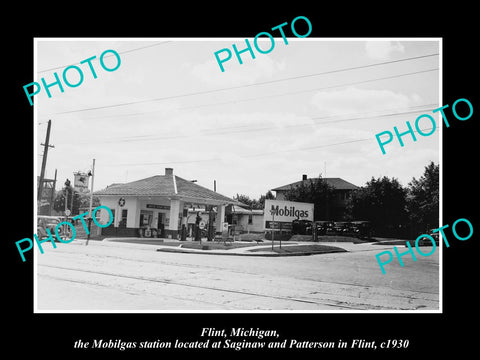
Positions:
(211, 222)
(198, 232)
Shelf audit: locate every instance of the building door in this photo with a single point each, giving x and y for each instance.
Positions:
(145, 218)
(161, 225)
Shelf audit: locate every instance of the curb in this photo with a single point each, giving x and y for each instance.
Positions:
(252, 253)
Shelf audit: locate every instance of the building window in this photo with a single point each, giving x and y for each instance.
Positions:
(123, 221)
(250, 219)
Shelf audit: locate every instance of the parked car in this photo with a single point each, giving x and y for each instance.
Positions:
(424, 241)
(322, 227)
(50, 222)
(301, 227)
(362, 229)
(341, 227)
(435, 235)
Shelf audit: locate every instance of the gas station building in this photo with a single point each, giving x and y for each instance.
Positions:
(161, 205)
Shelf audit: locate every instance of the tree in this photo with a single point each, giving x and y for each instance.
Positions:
(84, 199)
(381, 201)
(423, 200)
(66, 193)
(81, 201)
(244, 199)
(268, 196)
(254, 203)
(316, 191)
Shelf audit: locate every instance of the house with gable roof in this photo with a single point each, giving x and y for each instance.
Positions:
(342, 191)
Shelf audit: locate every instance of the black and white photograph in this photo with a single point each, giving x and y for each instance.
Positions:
(225, 180)
(210, 180)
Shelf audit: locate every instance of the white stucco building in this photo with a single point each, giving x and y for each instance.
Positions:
(163, 203)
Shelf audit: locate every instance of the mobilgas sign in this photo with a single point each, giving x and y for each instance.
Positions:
(287, 211)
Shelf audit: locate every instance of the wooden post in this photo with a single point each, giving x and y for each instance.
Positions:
(91, 202)
(44, 161)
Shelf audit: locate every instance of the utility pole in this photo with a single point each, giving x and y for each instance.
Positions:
(91, 202)
(44, 161)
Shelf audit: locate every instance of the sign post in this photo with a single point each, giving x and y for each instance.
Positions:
(67, 184)
(273, 225)
(67, 214)
(91, 201)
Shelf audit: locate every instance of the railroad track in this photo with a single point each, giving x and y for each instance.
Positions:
(335, 304)
(219, 268)
(224, 285)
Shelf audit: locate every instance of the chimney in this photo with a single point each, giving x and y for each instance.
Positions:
(168, 171)
(304, 177)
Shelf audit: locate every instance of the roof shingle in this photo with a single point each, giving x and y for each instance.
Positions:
(163, 185)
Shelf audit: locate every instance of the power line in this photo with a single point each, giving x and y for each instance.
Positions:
(245, 128)
(143, 47)
(255, 84)
(264, 97)
(340, 115)
(320, 123)
(270, 96)
(317, 89)
(319, 146)
(344, 69)
(260, 154)
(254, 155)
(122, 52)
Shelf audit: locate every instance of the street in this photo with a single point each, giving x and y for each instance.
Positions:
(113, 276)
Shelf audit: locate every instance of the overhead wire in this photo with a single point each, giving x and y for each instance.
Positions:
(262, 83)
(255, 155)
(248, 128)
(264, 97)
(120, 52)
(244, 128)
(269, 96)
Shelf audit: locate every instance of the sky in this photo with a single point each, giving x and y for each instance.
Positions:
(310, 107)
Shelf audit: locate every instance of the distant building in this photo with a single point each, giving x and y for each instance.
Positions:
(47, 197)
(336, 207)
(165, 203)
(244, 219)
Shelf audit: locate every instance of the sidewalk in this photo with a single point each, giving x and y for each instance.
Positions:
(265, 249)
